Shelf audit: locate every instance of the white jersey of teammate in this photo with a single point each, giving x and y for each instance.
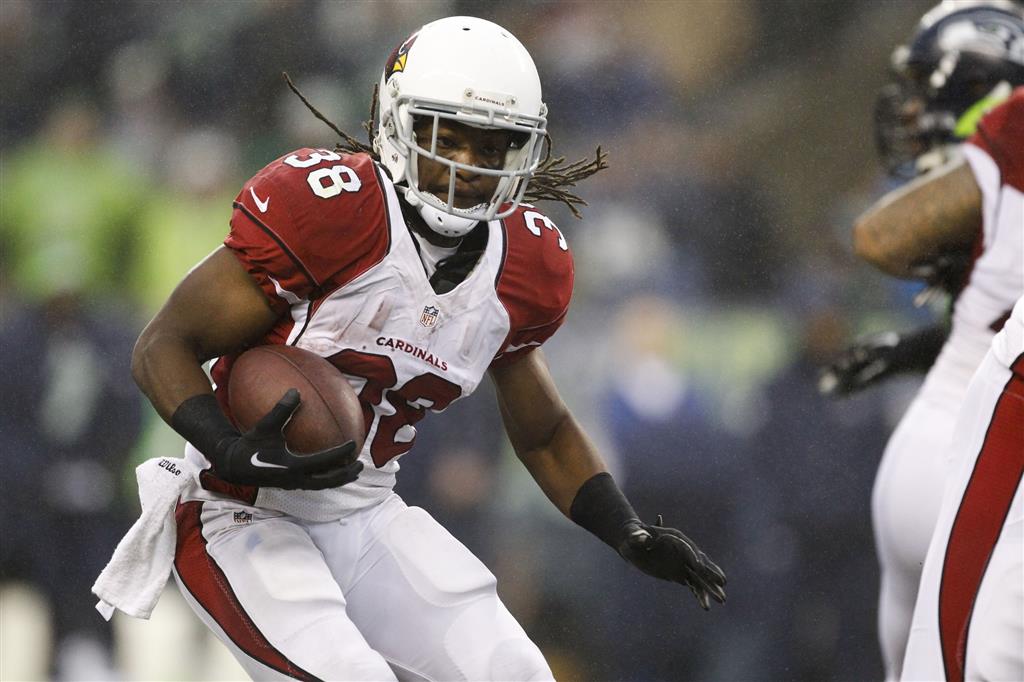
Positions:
(911, 477)
(969, 620)
(323, 234)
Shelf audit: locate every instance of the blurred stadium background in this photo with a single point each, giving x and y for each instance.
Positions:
(714, 275)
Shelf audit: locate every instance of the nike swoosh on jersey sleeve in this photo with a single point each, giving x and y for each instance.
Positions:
(301, 242)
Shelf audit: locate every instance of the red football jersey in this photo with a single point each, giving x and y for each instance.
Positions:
(1001, 135)
(323, 235)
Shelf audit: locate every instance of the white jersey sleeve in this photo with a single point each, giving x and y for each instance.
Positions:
(996, 280)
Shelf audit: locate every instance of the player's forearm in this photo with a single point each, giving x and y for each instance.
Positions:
(920, 220)
(563, 464)
(573, 475)
(543, 432)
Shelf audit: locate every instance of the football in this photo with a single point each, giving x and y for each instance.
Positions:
(329, 414)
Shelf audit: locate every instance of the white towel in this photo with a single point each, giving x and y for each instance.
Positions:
(137, 572)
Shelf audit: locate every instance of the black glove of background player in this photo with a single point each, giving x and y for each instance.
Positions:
(260, 456)
(876, 357)
(944, 274)
(668, 554)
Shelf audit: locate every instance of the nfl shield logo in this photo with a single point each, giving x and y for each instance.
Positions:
(429, 316)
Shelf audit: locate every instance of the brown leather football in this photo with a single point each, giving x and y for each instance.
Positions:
(329, 414)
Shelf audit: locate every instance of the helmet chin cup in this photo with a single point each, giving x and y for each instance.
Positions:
(444, 223)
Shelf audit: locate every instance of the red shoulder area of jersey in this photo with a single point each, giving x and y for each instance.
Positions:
(535, 281)
(310, 222)
(1001, 134)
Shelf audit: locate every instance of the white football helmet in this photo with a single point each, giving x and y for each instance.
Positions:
(470, 71)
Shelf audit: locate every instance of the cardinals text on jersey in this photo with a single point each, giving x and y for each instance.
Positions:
(324, 237)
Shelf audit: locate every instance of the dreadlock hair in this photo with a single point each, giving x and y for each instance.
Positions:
(349, 144)
(550, 182)
(553, 178)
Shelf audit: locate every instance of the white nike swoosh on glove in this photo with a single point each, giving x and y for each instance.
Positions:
(256, 462)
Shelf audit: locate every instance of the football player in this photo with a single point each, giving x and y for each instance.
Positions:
(415, 270)
(969, 619)
(961, 209)
(920, 124)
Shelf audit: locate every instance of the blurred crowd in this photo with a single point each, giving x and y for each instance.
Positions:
(714, 278)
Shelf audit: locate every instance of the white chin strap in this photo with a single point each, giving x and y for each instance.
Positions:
(445, 224)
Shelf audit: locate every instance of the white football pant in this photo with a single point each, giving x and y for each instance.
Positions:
(904, 509)
(969, 619)
(383, 594)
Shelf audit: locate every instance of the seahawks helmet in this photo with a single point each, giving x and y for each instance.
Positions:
(964, 57)
(470, 71)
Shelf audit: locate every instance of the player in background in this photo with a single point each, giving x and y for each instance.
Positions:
(969, 619)
(918, 127)
(950, 226)
(414, 268)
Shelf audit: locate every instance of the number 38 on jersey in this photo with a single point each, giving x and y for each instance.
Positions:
(327, 181)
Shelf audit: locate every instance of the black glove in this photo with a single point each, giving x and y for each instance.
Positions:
(944, 274)
(260, 457)
(601, 508)
(878, 356)
(668, 554)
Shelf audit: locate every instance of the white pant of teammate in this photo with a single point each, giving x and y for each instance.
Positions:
(385, 593)
(904, 508)
(969, 619)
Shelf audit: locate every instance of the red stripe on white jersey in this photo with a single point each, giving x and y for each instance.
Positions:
(979, 521)
(208, 585)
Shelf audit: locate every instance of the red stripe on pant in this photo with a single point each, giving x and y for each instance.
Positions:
(979, 521)
(209, 586)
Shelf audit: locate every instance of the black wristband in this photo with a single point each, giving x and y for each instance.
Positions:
(200, 420)
(601, 508)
